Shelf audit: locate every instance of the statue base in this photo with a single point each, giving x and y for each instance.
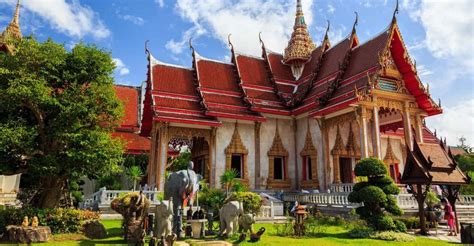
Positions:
(19, 234)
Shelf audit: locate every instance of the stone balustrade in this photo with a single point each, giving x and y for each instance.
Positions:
(267, 212)
(347, 188)
(104, 197)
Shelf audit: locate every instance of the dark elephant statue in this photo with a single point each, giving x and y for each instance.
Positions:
(181, 187)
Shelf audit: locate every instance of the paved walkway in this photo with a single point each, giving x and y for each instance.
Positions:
(442, 235)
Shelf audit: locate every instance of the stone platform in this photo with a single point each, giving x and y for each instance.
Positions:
(19, 234)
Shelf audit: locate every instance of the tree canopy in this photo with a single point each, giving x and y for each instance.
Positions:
(57, 110)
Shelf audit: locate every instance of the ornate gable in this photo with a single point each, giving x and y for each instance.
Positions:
(352, 148)
(308, 148)
(338, 148)
(277, 148)
(390, 157)
(236, 146)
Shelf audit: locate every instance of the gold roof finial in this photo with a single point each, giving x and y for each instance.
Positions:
(13, 29)
(300, 46)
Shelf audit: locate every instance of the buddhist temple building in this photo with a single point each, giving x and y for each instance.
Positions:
(297, 119)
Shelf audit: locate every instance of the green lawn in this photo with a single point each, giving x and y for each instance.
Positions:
(330, 235)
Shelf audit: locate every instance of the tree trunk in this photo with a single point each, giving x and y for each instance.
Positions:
(421, 201)
(53, 188)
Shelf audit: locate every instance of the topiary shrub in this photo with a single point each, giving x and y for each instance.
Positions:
(400, 226)
(393, 236)
(376, 194)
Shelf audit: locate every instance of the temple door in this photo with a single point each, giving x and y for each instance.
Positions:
(346, 170)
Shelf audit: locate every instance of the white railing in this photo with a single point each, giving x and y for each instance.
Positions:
(466, 200)
(325, 199)
(104, 197)
(347, 188)
(341, 188)
(266, 212)
(404, 201)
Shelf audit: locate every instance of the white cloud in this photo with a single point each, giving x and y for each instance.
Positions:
(160, 3)
(121, 68)
(244, 19)
(71, 18)
(456, 121)
(449, 28)
(423, 70)
(331, 9)
(134, 19)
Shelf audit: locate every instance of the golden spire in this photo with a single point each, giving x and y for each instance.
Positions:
(300, 46)
(13, 29)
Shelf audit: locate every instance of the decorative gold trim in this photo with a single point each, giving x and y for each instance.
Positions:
(277, 150)
(310, 150)
(390, 157)
(236, 146)
(351, 150)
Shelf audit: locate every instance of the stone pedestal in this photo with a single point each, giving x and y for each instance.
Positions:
(197, 226)
(94, 229)
(19, 234)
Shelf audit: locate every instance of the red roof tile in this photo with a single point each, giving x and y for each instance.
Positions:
(279, 70)
(134, 142)
(129, 96)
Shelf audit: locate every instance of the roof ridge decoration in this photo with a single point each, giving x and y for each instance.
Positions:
(324, 99)
(300, 45)
(238, 76)
(268, 67)
(197, 83)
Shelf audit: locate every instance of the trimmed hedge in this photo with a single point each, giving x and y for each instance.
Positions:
(369, 167)
(60, 220)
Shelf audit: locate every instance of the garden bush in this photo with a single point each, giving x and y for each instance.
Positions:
(400, 226)
(410, 222)
(361, 232)
(211, 198)
(393, 236)
(376, 194)
(252, 201)
(284, 229)
(60, 220)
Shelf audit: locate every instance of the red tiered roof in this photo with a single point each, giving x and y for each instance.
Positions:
(129, 125)
(175, 97)
(249, 86)
(221, 93)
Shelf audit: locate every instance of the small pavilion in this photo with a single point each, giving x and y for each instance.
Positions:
(433, 164)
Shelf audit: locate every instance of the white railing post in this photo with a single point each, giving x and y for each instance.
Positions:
(272, 211)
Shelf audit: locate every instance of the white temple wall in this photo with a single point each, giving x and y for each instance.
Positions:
(267, 133)
(317, 142)
(223, 138)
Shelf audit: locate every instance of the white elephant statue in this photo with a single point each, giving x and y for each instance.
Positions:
(245, 222)
(229, 215)
(163, 219)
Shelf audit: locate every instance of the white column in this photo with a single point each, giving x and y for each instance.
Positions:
(376, 132)
(364, 146)
(407, 127)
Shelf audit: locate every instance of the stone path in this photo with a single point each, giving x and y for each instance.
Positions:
(204, 242)
(442, 235)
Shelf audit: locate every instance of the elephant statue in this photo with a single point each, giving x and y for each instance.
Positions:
(181, 187)
(163, 219)
(245, 222)
(229, 215)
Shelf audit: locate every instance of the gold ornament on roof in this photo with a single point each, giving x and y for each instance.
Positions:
(13, 29)
(300, 46)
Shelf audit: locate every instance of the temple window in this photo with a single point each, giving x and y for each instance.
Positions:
(236, 156)
(307, 168)
(279, 168)
(278, 164)
(309, 155)
(236, 164)
(344, 157)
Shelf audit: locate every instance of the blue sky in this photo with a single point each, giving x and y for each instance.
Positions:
(438, 33)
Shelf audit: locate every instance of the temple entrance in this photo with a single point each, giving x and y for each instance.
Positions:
(394, 173)
(346, 169)
(200, 157)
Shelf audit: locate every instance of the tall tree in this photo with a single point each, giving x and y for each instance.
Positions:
(57, 110)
